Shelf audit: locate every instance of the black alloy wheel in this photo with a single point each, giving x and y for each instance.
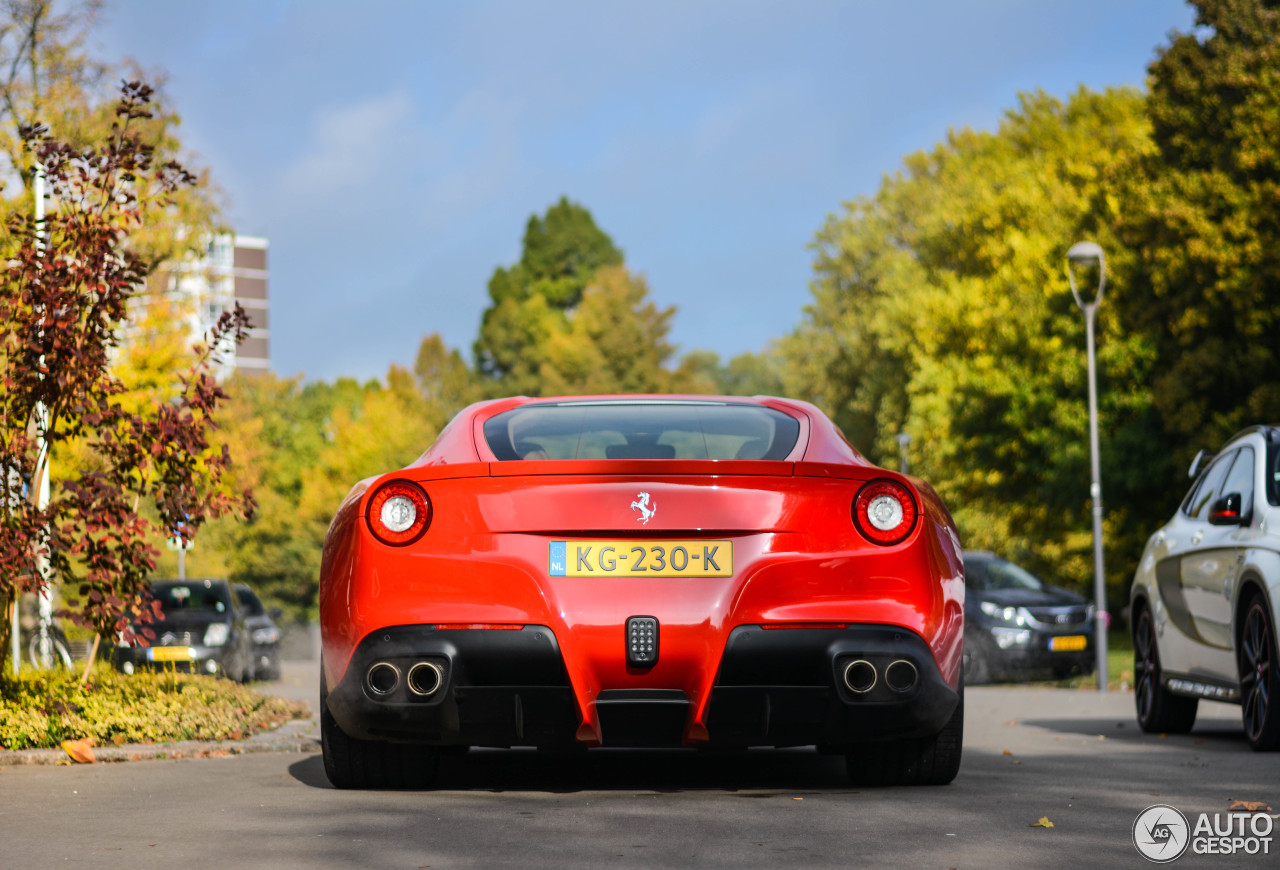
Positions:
(931, 760)
(1256, 655)
(350, 762)
(1159, 710)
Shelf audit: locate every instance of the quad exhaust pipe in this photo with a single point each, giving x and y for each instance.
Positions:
(861, 676)
(901, 676)
(423, 680)
(382, 678)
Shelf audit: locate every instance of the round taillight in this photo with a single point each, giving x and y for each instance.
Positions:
(885, 511)
(399, 513)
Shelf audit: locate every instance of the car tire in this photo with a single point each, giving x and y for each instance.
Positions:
(977, 666)
(1062, 672)
(1159, 710)
(1259, 682)
(352, 763)
(931, 760)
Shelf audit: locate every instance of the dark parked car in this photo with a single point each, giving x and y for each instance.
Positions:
(264, 635)
(203, 630)
(1014, 623)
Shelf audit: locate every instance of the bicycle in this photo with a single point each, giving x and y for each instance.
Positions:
(47, 648)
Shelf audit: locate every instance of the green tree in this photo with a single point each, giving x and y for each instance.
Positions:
(300, 447)
(443, 378)
(615, 341)
(747, 374)
(941, 309)
(1204, 218)
(529, 301)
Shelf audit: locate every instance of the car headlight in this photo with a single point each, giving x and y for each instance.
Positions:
(270, 634)
(1005, 614)
(216, 634)
(1007, 637)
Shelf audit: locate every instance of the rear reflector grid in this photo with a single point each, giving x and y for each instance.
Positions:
(642, 641)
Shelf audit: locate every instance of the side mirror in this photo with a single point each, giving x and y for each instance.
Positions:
(275, 613)
(1226, 511)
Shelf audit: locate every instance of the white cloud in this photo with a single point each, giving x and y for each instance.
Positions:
(353, 148)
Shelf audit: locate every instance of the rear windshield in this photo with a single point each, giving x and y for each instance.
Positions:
(641, 430)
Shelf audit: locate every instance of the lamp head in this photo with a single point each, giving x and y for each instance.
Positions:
(1086, 254)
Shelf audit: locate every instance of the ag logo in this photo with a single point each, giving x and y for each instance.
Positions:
(646, 510)
(1161, 834)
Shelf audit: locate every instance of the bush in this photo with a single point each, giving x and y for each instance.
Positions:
(40, 709)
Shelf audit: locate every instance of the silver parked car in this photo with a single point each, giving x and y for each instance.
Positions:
(1206, 595)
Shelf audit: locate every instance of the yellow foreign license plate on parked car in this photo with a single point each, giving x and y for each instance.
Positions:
(640, 558)
(1068, 643)
(170, 653)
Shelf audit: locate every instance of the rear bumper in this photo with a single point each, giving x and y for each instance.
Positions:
(775, 687)
(780, 687)
(497, 688)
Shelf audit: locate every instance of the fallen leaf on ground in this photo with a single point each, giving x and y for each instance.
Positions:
(1251, 806)
(1012, 722)
(1043, 823)
(81, 751)
(1006, 752)
(1015, 762)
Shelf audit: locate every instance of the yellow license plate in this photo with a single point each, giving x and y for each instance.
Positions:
(1068, 643)
(170, 653)
(640, 558)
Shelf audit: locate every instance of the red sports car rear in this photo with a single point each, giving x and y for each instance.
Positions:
(641, 571)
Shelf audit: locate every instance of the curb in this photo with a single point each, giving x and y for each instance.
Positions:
(290, 737)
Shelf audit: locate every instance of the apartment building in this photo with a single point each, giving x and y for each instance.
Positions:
(233, 270)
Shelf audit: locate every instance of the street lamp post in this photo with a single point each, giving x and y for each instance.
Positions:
(903, 440)
(1084, 253)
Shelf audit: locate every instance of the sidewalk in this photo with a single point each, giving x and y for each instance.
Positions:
(300, 735)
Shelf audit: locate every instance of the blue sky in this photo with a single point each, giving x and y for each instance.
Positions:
(392, 151)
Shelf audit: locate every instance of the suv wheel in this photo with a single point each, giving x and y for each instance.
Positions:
(1159, 710)
(1259, 682)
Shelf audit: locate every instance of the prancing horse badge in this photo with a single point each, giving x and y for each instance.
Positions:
(646, 510)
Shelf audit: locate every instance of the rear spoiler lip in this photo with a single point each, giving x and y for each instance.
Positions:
(647, 468)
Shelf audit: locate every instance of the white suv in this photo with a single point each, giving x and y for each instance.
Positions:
(1206, 593)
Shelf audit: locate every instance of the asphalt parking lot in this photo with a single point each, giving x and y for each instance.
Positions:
(1072, 758)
